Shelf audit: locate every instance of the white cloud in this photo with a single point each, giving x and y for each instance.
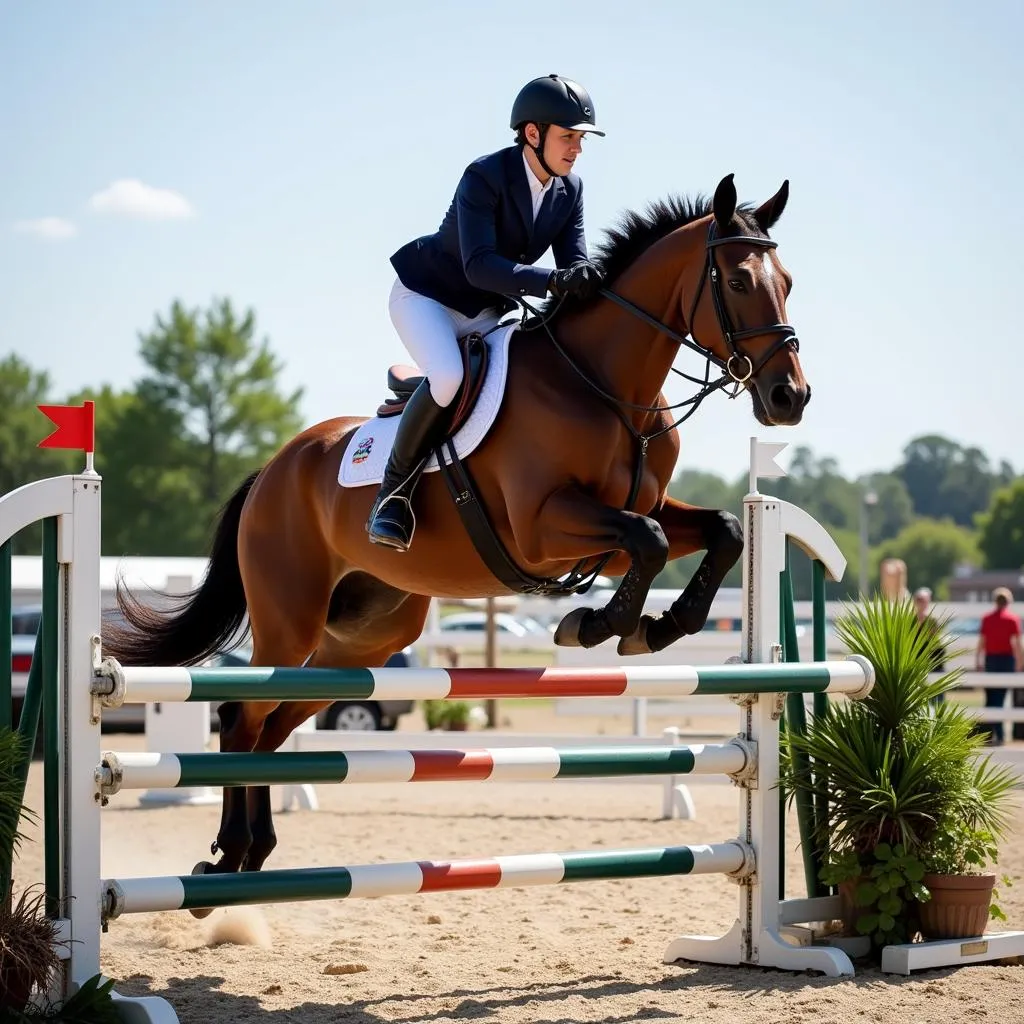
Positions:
(53, 228)
(129, 197)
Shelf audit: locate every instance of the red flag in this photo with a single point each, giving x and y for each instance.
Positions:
(75, 427)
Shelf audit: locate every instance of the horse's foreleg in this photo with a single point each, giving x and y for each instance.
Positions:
(690, 529)
(573, 525)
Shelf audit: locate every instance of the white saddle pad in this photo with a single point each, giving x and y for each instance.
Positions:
(367, 452)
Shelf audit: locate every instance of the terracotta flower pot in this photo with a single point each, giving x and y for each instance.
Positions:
(849, 911)
(959, 907)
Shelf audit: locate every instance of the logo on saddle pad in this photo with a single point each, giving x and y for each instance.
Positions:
(362, 452)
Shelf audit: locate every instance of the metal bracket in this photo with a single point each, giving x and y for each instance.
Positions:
(108, 683)
(747, 775)
(744, 874)
(109, 776)
(111, 901)
(869, 676)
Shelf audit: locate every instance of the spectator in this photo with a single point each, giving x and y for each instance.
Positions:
(999, 650)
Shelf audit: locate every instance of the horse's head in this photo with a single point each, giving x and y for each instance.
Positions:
(739, 309)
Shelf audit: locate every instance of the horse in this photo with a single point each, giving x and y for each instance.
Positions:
(573, 476)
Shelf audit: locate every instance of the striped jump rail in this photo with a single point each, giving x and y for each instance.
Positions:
(147, 770)
(289, 885)
(115, 683)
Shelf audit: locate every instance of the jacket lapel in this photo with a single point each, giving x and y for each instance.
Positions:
(520, 189)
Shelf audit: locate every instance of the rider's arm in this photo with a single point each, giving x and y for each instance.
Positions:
(476, 202)
(569, 246)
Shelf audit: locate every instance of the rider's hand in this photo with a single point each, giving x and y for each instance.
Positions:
(580, 280)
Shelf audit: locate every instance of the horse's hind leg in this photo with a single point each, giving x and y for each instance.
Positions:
(379, 621)
(286, 623)
(240, 726)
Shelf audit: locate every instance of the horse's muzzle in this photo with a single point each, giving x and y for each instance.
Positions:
(783, 403)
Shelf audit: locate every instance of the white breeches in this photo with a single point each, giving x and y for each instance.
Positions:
(430, 333)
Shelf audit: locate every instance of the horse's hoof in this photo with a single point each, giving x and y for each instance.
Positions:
(636, 642)
(568, 632)
(204, 867)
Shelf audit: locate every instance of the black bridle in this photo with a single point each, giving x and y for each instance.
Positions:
(737, 369)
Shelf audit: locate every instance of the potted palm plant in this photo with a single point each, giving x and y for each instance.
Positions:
(28, 947)
(29, 943)
(902, 776)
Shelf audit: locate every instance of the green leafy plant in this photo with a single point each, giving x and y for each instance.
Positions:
(12, 809)
(446, 714)
(30, 945)
(29, 942)
(93, 1003)
(896, 772)
(958, 848)
(884, 884)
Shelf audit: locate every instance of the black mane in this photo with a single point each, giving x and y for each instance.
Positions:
(636, 232)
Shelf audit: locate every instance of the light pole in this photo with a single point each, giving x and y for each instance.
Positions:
(868, 499)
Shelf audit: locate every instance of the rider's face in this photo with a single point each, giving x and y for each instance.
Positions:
(561, 146)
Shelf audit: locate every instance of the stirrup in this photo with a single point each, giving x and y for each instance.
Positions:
(403, 545)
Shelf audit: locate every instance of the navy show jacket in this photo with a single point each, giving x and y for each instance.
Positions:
(485, 247)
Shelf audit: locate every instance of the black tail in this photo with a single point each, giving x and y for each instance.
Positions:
(203, 621)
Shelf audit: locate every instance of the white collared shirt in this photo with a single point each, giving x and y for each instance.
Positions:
(537, 190)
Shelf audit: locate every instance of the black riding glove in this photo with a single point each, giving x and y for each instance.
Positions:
(581, 280)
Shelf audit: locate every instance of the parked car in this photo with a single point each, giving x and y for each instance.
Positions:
(22, 648)
(354, 715)
(476, 622)
(131, 717)
(368, 715)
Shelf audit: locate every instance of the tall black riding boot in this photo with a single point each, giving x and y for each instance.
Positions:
(423, 427)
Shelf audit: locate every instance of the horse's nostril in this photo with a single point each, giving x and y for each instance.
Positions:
(783, 398)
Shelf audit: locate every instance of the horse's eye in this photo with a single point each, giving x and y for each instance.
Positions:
(737, 285)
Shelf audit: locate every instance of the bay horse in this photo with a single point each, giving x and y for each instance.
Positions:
(574, 470)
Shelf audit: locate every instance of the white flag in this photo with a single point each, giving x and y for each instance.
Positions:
(762, 460)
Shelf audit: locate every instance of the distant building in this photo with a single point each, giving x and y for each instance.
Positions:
(969, 584)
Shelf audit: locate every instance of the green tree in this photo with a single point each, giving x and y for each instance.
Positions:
(708, 490)
(893, 510)
(968, 487)
(932, 549)
(210, 398)
(817, 486)
(144, 458)
(22, 427)
(1001, 528)
(947, 480)
(926, 464)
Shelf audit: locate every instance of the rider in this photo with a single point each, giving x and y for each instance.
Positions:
(509, 207)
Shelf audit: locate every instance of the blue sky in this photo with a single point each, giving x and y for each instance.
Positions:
(300, 144)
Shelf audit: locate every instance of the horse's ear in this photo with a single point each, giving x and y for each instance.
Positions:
(770, 211)
(725, 202)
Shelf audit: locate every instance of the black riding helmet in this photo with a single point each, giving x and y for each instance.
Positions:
(553, 100)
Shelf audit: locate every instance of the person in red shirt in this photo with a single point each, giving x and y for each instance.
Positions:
(999, 650)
